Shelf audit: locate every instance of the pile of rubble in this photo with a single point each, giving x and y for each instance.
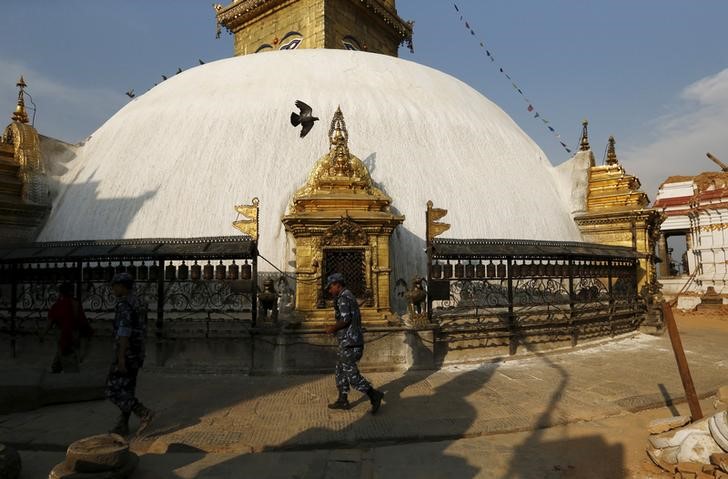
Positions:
(106, 456)
(688, 450)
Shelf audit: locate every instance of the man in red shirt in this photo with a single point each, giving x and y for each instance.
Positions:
(67, 314)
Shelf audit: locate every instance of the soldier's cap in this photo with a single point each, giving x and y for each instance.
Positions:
(124, 279)
(335, 278)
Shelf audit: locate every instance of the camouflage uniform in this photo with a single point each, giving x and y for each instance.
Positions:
(351, 345)
(129, 321)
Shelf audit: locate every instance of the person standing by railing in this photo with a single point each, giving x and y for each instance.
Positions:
(67, 314)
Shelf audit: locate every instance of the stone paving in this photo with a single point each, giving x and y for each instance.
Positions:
(237, 415)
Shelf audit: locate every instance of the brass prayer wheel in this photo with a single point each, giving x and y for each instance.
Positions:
(220, 270)
(183, 272)
(196, 272)
(233, 271)
(208, 272)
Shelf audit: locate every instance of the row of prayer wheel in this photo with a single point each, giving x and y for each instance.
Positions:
(56, 273)
(182, 272)
(491, 270)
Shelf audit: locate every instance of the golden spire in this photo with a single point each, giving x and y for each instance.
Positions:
(584, 143)
(20, 114)
(611, 152)
(339, 139)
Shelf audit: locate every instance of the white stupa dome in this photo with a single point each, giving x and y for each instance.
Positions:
(175, 161)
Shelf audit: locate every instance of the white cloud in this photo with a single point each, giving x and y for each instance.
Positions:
(697, 123)
(67, 112)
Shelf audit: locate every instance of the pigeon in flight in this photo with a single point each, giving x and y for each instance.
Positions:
(130, 93)
(305, 118)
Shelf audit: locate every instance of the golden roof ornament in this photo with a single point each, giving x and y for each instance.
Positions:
(339, 170)
(249, 225)
(584, 142)
(20, 115)
(611, 153)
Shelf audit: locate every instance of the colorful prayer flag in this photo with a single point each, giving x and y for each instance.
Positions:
(530, 107)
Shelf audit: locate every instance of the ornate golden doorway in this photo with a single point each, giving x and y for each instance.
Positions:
(350, 263)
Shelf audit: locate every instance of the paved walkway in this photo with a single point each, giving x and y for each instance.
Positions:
(237, 415)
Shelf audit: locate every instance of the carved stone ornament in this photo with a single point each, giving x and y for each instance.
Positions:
(345, 232)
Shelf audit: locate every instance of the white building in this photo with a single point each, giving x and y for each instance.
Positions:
(696, 208)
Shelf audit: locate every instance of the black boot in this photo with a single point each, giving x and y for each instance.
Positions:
(145, 416)
(375, 397)
(122, 425)
(341, 403)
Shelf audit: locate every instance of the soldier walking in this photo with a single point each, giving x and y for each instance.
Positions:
(351, 345)
(129, 336)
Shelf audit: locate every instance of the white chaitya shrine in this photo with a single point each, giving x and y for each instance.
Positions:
(695, 207)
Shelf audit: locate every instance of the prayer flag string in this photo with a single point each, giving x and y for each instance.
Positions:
(489, 54)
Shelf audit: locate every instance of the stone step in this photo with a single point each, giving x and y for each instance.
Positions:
(15, 203)
(10, 185)
(8, 169)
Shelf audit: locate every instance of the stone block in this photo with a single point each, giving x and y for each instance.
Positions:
(687, 303)
(661, 425)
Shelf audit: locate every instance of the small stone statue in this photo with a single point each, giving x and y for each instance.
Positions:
(268, 300)
(415, 296)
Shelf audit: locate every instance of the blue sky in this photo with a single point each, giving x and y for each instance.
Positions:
(654, 73)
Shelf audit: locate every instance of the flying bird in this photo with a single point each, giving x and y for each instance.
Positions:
(200, 61)
(305, 118)
(130, 93)
(164, 77)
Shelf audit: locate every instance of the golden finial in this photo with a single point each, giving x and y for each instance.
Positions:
(337, 131)
(20, 115)
(611, 152)
(339, 138)
(584, 143)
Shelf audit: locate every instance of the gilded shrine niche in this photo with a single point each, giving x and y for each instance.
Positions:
(341, 223)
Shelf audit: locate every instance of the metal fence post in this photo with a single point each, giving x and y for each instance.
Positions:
(513, 342)
(13, 304)
(611, 297)
(572, 329)
(159, 322)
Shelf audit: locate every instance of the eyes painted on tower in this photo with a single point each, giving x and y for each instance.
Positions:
(291, 41)
(351, 43)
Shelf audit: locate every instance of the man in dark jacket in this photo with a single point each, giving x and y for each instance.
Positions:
(351, 345)
(129, 336)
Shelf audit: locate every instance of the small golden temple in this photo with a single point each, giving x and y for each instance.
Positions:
(617, 211)
(341, 223)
